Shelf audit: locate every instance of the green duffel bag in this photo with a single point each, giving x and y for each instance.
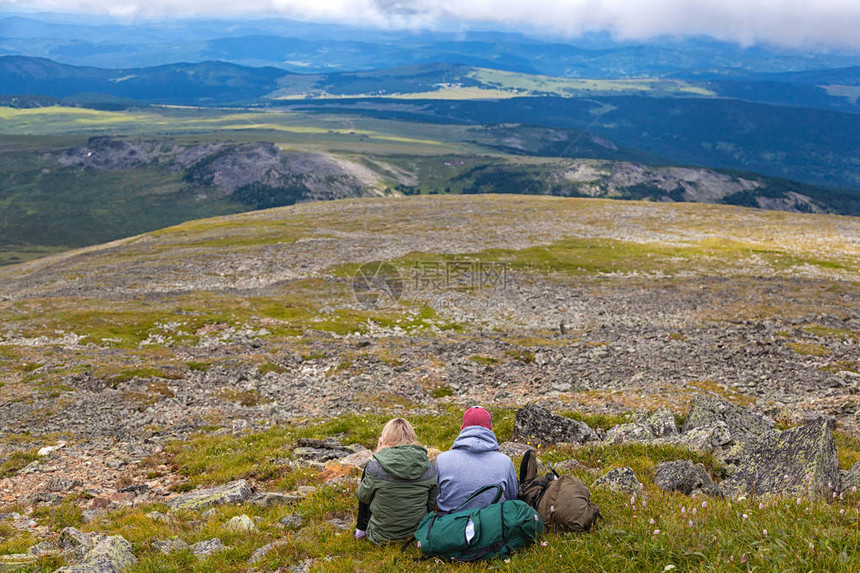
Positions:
(496, 530)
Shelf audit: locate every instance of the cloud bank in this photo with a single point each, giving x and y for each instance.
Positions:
(794, 23)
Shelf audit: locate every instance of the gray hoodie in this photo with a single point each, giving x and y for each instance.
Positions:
(473, 462)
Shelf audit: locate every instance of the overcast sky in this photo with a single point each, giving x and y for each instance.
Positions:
(825, 23)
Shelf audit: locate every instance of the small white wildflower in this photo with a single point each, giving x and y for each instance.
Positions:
(656, 532)
(704, 504)
(798, 501)
(854, 489)
(761, 506)
(683, 509)
(841, 512)
(745, 516)
(694, 511)
(651, 521)
(764, 532)
(690, 523)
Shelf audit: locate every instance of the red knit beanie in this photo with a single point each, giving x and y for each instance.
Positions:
(477, 416)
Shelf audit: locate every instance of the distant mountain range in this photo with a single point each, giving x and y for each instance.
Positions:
(321, 48)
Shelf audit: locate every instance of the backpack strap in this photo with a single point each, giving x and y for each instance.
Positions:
(478, 492)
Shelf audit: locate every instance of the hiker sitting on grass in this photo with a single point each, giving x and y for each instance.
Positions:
(474, 461)
(398, 486)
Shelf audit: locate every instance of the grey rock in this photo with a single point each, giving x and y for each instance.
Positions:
(798, 461)
(62, 484)
(158, 516)
(261, 553)
(43, 497)
(42, 548)
(618, 479)
(514, 449)
(662, 423)
(293, 520)
(9, 516)
(110, 555)
(537, 426)
(851, 478)
(136, 489)
(206, 548)
(629, 432)
(320, 450)
(743, 424)
(91, 515)
(234, 492)
(72, 538)
(271, 499)
(241, 524)
(359, 459)
(338, 523)
(303, 567)
(684, 476)
(168, 546)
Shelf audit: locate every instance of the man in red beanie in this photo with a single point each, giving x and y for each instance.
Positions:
(473, 462)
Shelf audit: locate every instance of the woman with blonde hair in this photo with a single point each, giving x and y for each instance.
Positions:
(398, 486)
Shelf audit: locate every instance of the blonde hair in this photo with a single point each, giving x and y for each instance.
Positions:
(396, 432)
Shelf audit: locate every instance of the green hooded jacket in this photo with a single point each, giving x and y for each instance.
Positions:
(399, 485)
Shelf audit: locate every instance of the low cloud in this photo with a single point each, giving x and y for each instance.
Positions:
(795, 23)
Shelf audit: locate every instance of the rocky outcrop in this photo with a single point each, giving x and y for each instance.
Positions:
(537, 426)
(109, 555)
(851, 478)
(241, 524)
(207, 548)
(685, 477)
(800, 461)
(234, 492)
(743, 424)
(618, 479)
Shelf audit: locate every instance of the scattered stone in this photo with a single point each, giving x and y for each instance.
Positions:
(306, 491)
(42, 548)
(618, 479)
(320, 450)
(358, 459)
(110, 555)
(743, 424)
(536, 426)
(241, 524)
(293, 520)
(31, 468)
(43, 497)
(851, 477)
(9, 516)
(206, 548)
(303, 567)
(48, 450)
(261, 553)
(630, 432)
(136, 489)
(270, 499)
(684, 476)
(62, 484)
(234, 492)
(209, 513)
(662, 423)
(168, 546)
(16, 562)
(158, 516)
(798, 461)
(338, 523)
(514, 449)
(91, 515)
(72, 538)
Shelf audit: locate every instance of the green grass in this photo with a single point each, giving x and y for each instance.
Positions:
(656, 531)
(18, 460)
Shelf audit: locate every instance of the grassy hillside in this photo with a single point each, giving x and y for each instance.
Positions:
(252, 321)
(154, 167)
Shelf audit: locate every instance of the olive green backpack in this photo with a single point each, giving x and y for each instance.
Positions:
(563, 502)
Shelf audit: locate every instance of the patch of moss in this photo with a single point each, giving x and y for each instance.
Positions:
(808, 349)
(485, 360)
